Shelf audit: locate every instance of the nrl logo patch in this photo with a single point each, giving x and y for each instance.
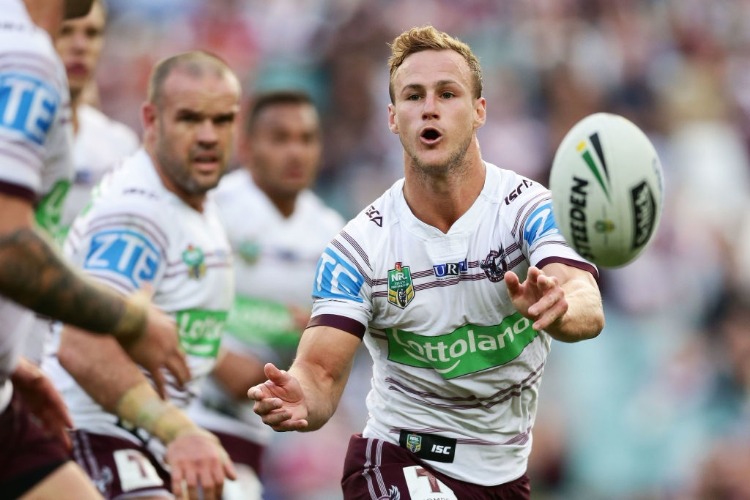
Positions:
(194, 259)
(400, 287)
(414, 443)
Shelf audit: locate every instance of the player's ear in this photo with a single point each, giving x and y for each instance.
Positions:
(392, 119)
(480, 112)
(148, 114)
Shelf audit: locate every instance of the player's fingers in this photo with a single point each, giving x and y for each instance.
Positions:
(206, 487)
(512, 283)
(546, 301)
(256, 393)
(161, 385)
(290, 425)
(177, 366)
(552, 314)
(62, 434)
(228, 468)
(177, 480)
(265, 406)
(274, 374)
(190, 478)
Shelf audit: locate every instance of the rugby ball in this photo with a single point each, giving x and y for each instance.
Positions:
(607, 193)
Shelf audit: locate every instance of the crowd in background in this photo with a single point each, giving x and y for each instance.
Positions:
(657, 406)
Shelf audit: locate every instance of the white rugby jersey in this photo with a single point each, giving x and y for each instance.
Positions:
(35, 144)
(137, 232)
(451, 355)
(274, 262)
(98, 146)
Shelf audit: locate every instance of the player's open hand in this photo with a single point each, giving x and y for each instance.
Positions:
(279, 400)
(198, 465)
(540, 298)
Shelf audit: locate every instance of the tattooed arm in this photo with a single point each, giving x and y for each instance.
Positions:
(35, 276)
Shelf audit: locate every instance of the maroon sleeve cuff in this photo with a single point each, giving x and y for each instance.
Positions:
(584, 266)
(340, 323)
(11, 189)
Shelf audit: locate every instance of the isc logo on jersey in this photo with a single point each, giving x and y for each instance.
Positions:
(27, 106)
(123, 252)
(336, 279)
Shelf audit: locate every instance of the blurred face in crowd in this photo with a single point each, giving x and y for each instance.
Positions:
(79, 43)
(189, 130)
(434, 112)
(283, 149)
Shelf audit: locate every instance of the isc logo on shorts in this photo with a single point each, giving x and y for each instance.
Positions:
(124, 252)
(27, 106)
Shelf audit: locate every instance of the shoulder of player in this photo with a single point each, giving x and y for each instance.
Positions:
(380, 214)
(27, 49)
(132, 186)
(94, 119)
(508, 188)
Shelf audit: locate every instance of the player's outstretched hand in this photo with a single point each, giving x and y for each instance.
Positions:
(41, 398)
(279, 400)
(540, 298)
(199, 465)
(158, 346)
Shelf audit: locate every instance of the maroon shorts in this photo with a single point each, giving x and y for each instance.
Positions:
(27, 453)
(378, 470)
(119, 468)
(242, 451)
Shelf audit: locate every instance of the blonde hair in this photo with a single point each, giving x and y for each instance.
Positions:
(428, 38)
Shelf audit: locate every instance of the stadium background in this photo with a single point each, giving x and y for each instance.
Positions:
(657, 406)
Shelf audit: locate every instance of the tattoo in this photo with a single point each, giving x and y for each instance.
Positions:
(36, 276)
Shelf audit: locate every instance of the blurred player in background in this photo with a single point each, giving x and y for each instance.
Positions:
(99, 142)
(277, 228)
(152, 223)
(457, 279)
(35, 142)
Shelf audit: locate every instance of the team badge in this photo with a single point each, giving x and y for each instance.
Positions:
(495, 265)
(249, 251)
(193, 257)
(400, 287)
(414, 443)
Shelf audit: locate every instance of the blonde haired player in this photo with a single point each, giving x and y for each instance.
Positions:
(456, 279)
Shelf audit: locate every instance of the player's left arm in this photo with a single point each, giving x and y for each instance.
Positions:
(562, 300)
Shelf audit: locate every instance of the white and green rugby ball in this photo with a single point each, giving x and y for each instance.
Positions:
(607, 192)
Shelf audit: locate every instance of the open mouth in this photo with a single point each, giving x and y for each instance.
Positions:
(430, 135)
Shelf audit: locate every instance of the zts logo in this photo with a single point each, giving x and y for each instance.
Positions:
(126, 253)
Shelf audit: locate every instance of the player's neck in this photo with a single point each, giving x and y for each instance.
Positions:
(284, 204)
(441, 200)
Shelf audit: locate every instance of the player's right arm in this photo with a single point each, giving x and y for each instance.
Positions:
(36, 276)
(106, 373)
(305, 397)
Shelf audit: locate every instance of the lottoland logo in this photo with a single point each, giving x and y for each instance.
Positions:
(468, 349)
(200, 331)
